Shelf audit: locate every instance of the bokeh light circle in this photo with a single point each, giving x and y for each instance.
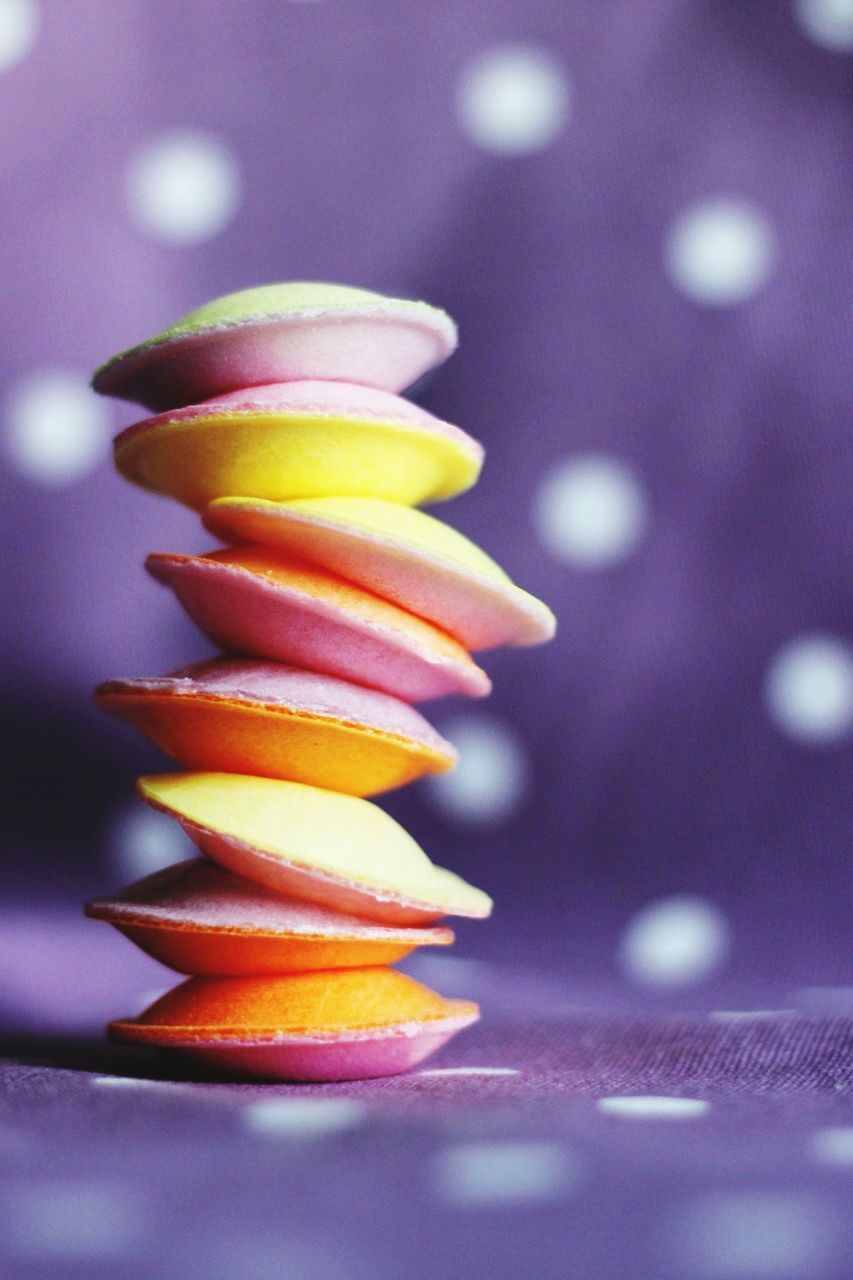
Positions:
(720, 251)
(674, 942)
(828, 22)
(513, 99)
(590, 511)
(490, 782)
(19, 24)
(184, 187)
(808, 689)
(56, 428)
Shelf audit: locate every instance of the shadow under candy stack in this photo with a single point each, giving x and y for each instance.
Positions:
(337, 605)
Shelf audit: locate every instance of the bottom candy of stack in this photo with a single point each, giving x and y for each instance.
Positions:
(289, 956)
(327, 1024)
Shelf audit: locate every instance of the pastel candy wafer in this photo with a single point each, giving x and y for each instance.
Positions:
(241, 715)
(338, 850)
(199, 919)
(346, 1024)
(405, 555)
(281, 333)
(254, 601)
(299, 440)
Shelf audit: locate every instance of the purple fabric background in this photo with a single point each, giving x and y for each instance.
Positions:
(654, 767)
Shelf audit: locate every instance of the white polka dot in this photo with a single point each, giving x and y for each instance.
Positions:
(828, 22)
(144, 841)
(482, 1174)
(751, 1235)
(124, 1082)
(140, 1084)
(513, 99)
(57, 429)
(674, 942)
(470, 1071)
(590, 511)
(490, 781)
(303, 1117)
(833, 1146)
(750, 1015)
(19, 23)
(809, 689)
(719, 251)
(69, 1221)
(184, 187)
(648, 1107)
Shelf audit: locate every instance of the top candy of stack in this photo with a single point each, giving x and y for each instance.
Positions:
(282, 333)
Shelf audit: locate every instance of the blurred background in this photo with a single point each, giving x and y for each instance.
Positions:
(639, 215)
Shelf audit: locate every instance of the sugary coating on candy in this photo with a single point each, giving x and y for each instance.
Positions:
(303, 1004)
(330, 848)
(252, 600)
(200, 895)
(243, 715)
(197, 918)
(275, 684)
(343, 1025)
(403, 554)
(299, 440)
(281, 333)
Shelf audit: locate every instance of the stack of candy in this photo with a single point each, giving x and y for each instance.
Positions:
(338, 605)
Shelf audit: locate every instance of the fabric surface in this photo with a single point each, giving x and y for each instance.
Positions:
(506, 1155)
